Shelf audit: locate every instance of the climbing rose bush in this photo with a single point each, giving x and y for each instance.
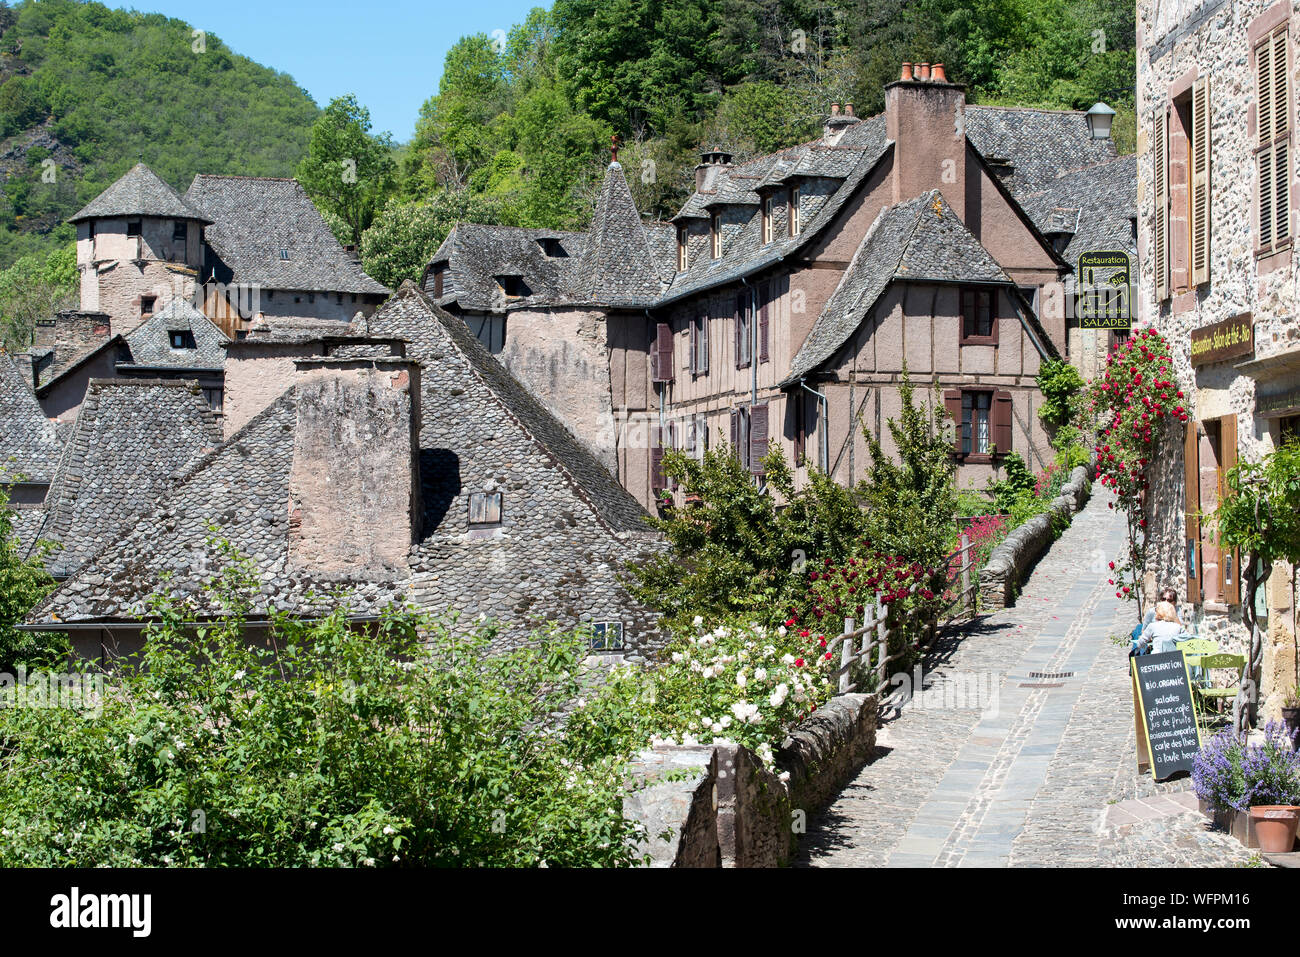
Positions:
(1135, 402)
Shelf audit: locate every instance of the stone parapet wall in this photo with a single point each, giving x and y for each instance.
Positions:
(1011, 561)
(718, 806)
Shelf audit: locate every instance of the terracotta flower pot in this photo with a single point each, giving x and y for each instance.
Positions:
(1275, 826)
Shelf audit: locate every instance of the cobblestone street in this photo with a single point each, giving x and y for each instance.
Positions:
(1043, 774)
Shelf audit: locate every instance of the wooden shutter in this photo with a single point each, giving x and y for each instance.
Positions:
(1192, 513)
(657, 480)
(757, 437)
(798, 406)
(952, 402)
(739, 324)
(692, 356)
(663, 353)
(1161, 227)
(1227, 459)
(763, 291)
(1000, 418)
(735, 434)
(995, 299)
(1200, 205)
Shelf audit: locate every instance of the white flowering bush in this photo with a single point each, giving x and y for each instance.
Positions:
(737, 683)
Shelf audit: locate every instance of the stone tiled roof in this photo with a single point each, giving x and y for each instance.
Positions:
(151, 345)
(240, 486)
(920, 240)
(479, 254)
(67, 359)
(139, 193)
(1096, 204)
(618, 267)
(255, 219)
(131, 438)
(28, 444)
(1039, 144)
(432, 333)
(467, 399)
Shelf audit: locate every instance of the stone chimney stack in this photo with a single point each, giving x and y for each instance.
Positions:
(712, 162)
(74, 331)
(354, 486)
(925, 117)
(837, 123)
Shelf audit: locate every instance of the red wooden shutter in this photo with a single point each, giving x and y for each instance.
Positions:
(952, 402)
(1192, 513)
(763, 292)
(757, 437)
(1001, 417)
(663, 353)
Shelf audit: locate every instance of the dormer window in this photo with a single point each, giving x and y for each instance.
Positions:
(485, 509)
(134, 227)
(715, 236)
(439, 280)
(793, 214)
(767, 220)
(182, 339)
(683, 249)
(513, 287)
(179, 231)
(284, 254)
(552, 248)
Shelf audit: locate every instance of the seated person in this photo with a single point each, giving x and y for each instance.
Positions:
(1160, 635)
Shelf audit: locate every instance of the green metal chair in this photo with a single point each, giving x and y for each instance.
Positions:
(1221, 662)
(1194, 650)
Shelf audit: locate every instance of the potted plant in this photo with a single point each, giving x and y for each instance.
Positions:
(1272, 775)
(1220, 783)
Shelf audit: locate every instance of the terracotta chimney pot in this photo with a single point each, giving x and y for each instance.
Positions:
(937, 74)
(835, 109)
(924, 75)
(907, 71)
(848, 109)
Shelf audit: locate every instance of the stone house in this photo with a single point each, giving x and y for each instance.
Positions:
(1216, 175)
(404, 464)
(782, 301)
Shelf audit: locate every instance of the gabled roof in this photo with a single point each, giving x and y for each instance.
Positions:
(241, 486)
(618, 267)
(139, 193)
(1096, 203)
(431, 332)
(151, 344)
(1038, 144)
(28, 444)
(480, 254)
(921, 240)
(68, 361)
(257, 221)
(130, 439)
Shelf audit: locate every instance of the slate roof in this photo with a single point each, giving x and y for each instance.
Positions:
(618, 267)
(254, 218)
(1096, 204)
(242, 487)
(139, 192)
(28, 443)
(479, 254)
(921, 240)
(131, 437)
(1039, 144)
(429, 329)
(151, 347)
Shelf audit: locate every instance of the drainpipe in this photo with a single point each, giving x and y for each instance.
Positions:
(826, 422)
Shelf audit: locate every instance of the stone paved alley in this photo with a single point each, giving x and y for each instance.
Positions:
(1049, 777)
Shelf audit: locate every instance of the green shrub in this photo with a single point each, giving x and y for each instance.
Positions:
(1060, 384)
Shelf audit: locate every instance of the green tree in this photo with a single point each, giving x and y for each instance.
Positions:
(34, 288)
(347, 170)
(403, 238)
(23, 583)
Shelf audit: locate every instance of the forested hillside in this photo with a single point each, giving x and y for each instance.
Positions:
(85, 92)
(519, 131)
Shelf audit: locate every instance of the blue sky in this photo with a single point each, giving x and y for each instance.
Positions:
(388, 52)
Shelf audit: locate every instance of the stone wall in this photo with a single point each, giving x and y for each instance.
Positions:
(1010, 561)
(718, 806)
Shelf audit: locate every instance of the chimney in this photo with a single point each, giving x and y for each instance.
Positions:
(354, 486)
(260, 368)
(72, 330)
(926, 120)
(712, 163)
(907, 72)
(836, 123)
(937, 74)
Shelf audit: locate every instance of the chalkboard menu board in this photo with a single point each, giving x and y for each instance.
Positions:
(1167, 735)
